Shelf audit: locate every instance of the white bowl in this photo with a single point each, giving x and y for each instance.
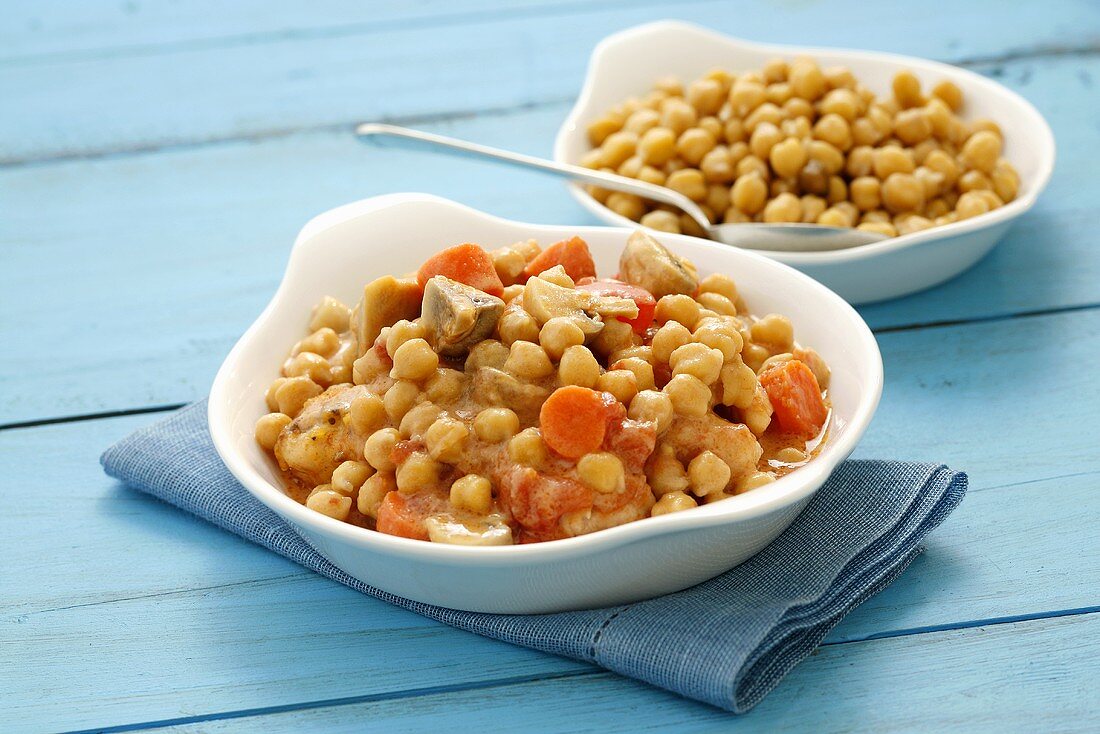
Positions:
(339, 251)
(627, 63)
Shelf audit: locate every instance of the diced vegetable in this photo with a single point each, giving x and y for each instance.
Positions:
(545, 300)
(572, 254)
(574, 419)
(795, 396)
(443, 529)
(385, 301)
(642, 298)
(456, 316)
(395, 517)
(647, 263)
(467, 263)
(538, 501)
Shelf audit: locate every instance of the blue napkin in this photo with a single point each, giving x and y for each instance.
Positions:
(727, 641)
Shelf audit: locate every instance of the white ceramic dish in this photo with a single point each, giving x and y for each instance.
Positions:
(339, 251)
(628, 62)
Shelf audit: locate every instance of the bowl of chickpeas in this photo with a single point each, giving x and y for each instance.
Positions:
(938, 160)
(505, 417)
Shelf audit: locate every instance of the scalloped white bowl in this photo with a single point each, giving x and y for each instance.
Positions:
(626, 64)
(340, 250)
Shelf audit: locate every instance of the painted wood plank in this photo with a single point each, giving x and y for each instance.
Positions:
(1030, 676)
(191, 243)
(169, 609)
(53, 30)
(191, 95)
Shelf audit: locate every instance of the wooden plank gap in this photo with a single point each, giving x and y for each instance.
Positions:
(947, 323)
(91, 416)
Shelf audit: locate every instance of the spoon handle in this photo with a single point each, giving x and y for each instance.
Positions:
(418, 140)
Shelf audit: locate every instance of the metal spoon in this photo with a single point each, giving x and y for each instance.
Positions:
(752, 236)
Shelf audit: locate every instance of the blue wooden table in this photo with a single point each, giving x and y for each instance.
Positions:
(156, 161)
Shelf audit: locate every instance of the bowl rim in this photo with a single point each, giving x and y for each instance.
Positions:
(784, 492)
(1042, 142)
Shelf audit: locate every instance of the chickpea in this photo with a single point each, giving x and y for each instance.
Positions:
(798, 107)
(708, 474)
(912, 223)
(496, 425)
(652, 406)
(834, 129)
(679, 308)
(1006, 182)
(883, 228)
(971, 204)
(778, 93)
(699, 361)
(330, 503)
(807, 80)
(323, 341)
(578, 367)
(640, 368)
(931, 181)
(269, 427)
(705, 95)
(373, 491)
(765, 136)
(378, 448)
(973, 181)
(618, 147)
(907, 89)
(625, 205)
(516, 324)
(668, 338)
(734, 130)
(890, 160)
(755, 481)
(527, 448)
(775, 70)
(293, 394)
(949, 93)
(641, 121)
(865, 193)
(399, 399)
(414, 360)
(602, 472)
(614, 336)
(787, 157)
(865, 132)
(981, 151)
(718, 303)
(694, 143)
(677, 115)
(349, 477)
(750, 193)
(945, 165)
(831, 159)
(901, 192)
(672, 502)
(746, 95)
(765, 113)
(739, 383)
(689, 395)
(330, 313)
(419, 418)
(774, 329)
(622, 384)
(445, 386)
(665, 473)
(718, 165)
(721, 284)
(783, 208)
(812, 207)
(558, 334)
(689, 182)
(657, 146)
(528, 361)
(310, 365)
(418, 471)
(600, 128)
(752, 164)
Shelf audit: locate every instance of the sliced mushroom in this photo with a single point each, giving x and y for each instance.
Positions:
(496, 387)
(647, 263)
(545, 300)
(385, 301)
(446, 529)
(456, 316)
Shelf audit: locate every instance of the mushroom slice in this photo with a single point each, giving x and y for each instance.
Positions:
(545, 300)
(496, 387)
(647, 263)
(457, 316)
(385, 301)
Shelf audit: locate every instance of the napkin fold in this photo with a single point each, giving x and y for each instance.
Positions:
(728, 641)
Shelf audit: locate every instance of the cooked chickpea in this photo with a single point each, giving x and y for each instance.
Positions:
(653, 406)
(902, 192)
(496, 425)
(640, 368)
(642, 120)
(689, 182)
(310, 365)
(527, 448)
(787, 157)
(774, 329)
(723, 337)
(717, 165)
(657, 146)
(973, 181)
(662, 221)
(373, 491)
(293, 393)
(330, 313)
(717, 303)
(446, 438)
(708, 474)
(578, 366)
(602, 472)
(705, 95)
(883, 228)
(981, 151)
(672, 502)
(528, 361)
(665, 473)
(912, 126)
(472, 492)
(697, 360)
(617, 147)
(907, 89)
(750, 193)
(558, 334)
(758, 415)
(516, 324)
(509, 264)
(622, 384)
(625, 205)
(949, 93)
(349, 477)
(418, 471)
(269, 396)
(677, 115)
(677, 307)
(689, 395)
(366, 413)
(328, 502)
(269, 427)
(739, 383)
(890, 160)
(445, 385)
(324, 342)
(1006, 182)
(971, 204)
(721, 284)
(807, 80)
(400, 333)
(414, 360)
(754, 481)
(784, 208)
(764, 137)
(694, 143)
(668, 338)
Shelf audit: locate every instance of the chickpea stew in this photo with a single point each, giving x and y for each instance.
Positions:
(793, 142)
(515, 396)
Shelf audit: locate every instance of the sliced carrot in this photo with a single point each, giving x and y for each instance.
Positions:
(395, 517)
(572, 254)
(467, 263)
(574, 420)
(795, 397)
(645, 301)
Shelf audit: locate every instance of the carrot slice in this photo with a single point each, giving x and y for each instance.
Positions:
(574, 420)
(572, 254)
(395, 517)
(647, 304)
(795, 397)
(467, 263)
